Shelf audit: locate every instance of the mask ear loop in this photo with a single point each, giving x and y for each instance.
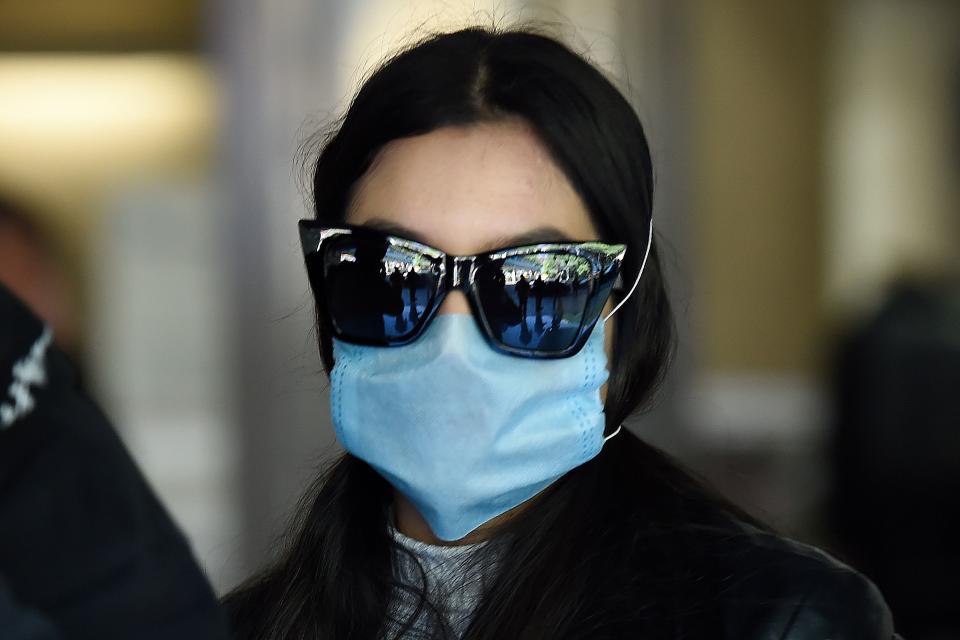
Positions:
(630, 293)
(637, 281)
(612, 434)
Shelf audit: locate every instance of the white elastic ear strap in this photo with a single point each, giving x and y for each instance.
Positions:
(630, 293)
(612, 434)
(637, 281)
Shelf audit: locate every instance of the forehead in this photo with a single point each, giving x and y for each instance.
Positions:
(469, 189)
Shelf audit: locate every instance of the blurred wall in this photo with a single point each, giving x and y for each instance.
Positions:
(823, 168)
(759, 201)
(756, 406)
(76, 127)
(893, 150)
(100, 25)
(109, 122)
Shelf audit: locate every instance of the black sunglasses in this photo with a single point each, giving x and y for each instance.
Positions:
(535, 301)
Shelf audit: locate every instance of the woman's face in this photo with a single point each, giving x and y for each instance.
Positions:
(466, 190)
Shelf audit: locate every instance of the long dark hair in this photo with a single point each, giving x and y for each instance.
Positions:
(615, 547)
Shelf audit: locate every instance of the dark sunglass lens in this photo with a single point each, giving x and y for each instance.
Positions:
(536, 301)
(376, 291)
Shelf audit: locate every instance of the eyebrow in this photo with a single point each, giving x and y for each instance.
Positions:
(533, 236)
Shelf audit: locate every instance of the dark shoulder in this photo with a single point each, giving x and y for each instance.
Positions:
(773, 587)
(250, 607)
(241, 607)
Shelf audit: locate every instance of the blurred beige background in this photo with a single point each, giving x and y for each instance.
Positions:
(807, 157)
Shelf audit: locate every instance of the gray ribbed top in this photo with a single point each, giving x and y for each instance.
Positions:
(455, 583)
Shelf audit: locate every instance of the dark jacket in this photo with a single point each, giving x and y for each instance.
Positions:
(86, 549)
(783, 589)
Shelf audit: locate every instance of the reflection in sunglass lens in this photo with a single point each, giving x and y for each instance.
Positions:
(535, 301)
(377, 291)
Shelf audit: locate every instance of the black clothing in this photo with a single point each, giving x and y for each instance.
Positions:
(782, 589)
(20, 623)
(896, 452)
(86, 550)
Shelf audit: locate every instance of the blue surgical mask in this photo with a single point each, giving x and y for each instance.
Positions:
(464, 432)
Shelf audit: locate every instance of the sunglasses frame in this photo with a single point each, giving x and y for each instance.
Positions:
(458, 273)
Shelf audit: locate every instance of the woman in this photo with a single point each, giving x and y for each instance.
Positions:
(488, 490)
